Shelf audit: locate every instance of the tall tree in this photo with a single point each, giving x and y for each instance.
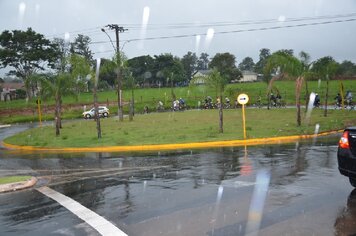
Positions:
(305, 60)
(288, 66)
(247, 64)
(81, 46)
(96, 105)
(325, 68)
(27, 52)
(80, 71)
(347, 68)
(225, 63)
(117, 65)
(130, 83)
(166, 67)
(57, 86)
(141, 68)
(62, 50)
(259, 67)
(190, 65)
(107, 72)
(218, 83)
(289, 52)
(203, 61)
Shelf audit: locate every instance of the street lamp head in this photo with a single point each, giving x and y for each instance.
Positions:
(102, 29)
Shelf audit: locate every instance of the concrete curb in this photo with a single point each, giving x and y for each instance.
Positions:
(18, 185)
(158, 147)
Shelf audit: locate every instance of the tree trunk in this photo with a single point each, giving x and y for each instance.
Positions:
(299, 120)
(298, 89)
(119, 95)
(97, 116)
(57, 111)
(326, 98)
(28, 91)
(221, 124)
(307, 95)
(133, 101)
(130, 111)
(60, 112)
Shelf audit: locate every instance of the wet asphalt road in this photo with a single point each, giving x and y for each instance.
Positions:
(190, 192)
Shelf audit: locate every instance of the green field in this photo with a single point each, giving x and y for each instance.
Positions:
(183, 127)
(150, 96)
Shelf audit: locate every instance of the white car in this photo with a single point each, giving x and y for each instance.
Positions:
(103, 112)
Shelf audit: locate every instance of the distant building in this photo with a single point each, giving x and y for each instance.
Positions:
(8, 90)
(199, 76)
(248, 76)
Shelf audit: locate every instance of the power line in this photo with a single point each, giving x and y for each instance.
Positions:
(82, 31)
(189, 25)
(237, 31)
(226, 24)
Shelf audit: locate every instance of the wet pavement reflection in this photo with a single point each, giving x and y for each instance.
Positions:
(185, 192)
(345, 223)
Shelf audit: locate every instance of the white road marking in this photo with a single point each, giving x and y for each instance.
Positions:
(98, 222)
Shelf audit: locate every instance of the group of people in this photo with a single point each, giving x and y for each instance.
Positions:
(347, 99)
(276, 101)
(338, 100)
(208, 103)
(178, 104)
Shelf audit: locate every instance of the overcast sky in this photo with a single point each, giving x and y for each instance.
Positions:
(209, 26)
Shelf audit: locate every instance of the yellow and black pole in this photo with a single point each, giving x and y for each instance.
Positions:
(243, 99)
(39, 110)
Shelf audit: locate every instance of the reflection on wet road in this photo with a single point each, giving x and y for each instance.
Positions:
(198, 192)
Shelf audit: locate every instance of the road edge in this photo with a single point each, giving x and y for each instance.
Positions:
(158, 147)
(4, 188)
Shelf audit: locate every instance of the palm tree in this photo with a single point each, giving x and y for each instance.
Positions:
(325, 68)
(130, 82)
(305, 59)
(117, 64)
(218, 83)
(56, 87)
(288, 66)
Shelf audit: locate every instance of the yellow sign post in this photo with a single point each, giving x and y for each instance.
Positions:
(243, 99)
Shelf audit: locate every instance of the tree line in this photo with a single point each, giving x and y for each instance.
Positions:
(29, 53)
(61, 68)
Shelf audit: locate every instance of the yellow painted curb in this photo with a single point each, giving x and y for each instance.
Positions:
(157, 147)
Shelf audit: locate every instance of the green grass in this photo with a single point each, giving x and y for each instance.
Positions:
(13, 179)
(183, 127)
(150, 96)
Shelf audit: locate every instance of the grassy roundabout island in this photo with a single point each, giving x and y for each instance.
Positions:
(182, 127)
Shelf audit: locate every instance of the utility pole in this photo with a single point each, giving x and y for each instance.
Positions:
(118, 30)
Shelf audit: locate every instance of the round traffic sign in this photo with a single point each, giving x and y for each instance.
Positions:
(242, 99)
